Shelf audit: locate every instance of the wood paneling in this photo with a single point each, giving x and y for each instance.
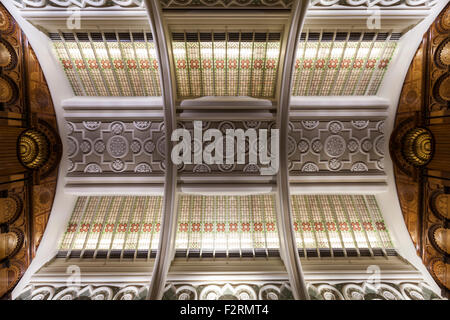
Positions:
(26, 196)
(424, 192)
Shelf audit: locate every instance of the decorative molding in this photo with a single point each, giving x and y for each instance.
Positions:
(371, 291)
(351, 147)
(119, 147)
(207, 4)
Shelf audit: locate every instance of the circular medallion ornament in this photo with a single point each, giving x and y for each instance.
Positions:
(316, 146)
(443, 53)
(303, 146)
(335, 127)
(6, 90)
(118, 165)
(353, 145)
(335, 146)
(33, 149)
(135, 146)
(5, 56)
(5, 22)
(117, 146)
(149, 146)
(417, 146)
(117, 128)
(99, 146)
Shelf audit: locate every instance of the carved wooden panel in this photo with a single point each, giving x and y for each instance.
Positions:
(26, 201)
(424, 195)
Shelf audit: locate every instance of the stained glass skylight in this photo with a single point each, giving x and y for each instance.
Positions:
(109, 64)
(339, 225)
(226, 64)
(227, 226)
(342, 63)
(119, 226)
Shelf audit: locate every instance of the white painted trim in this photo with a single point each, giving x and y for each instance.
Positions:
(339, 102)
(108, 103)
(338, 188)
(288, 246)
(169, 217)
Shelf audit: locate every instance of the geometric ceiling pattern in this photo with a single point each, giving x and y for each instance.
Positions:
(120, 147)
(350, 146)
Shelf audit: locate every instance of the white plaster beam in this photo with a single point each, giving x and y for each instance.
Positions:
(284, 216)
(169, 217)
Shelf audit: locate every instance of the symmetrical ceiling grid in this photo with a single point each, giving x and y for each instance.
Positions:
(224, 64)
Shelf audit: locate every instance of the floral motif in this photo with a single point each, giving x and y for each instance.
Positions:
(306, 226)
(333, 63)
(383, 64)
(320, 64)
(343, 226)
(208, 227)
(148, 227)
(93, 64)
(220, 64)
(134, 227)
(232, 64)
(367, 226)
(318, 226)
(207, 64)
(196, 227)
(295, 226)
(122, 227)
(271, 64)
(109, 227)
(245, 64)
(194, 64)
(380, 226)
(233, 227)
(258, 64)
(158, 225)
(106, 64)
(258, 226)
(97, 227)
(80, 64)
(118, 64)
(298, 64)
(155, 64)
(67, 64)
(356, 226)
(221, 227)
(181, 64)
(371, 63)
(183, 227)
(358, 64)
(270, 226)
(307, 64)
(245, 226)
(84, 227)
(145, 64)
(331, 226)
(72, 227)
(345, 63)
(132, 64)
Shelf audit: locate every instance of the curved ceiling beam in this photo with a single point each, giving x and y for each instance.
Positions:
(169, 219)
(288, 244)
